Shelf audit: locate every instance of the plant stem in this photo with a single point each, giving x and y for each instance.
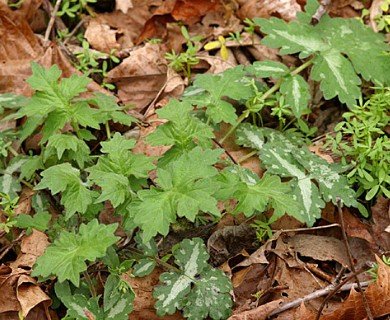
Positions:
(108, 131)
(90, 284)
(250, 154)
(274, 88)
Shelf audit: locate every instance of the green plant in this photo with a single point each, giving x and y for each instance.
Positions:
(383, 19)
(218, 44)
(361, 141)
(250, 28)
(184, 60)
(195, 287)
(88, 64)
(374, 270)
(73, 8)
(79, 174)
(263, 230)
(8, 205)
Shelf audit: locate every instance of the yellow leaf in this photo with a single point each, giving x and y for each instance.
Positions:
(224, 53)
(212, 45)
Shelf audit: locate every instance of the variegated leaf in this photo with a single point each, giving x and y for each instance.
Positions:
(296, 91)
(267, 69)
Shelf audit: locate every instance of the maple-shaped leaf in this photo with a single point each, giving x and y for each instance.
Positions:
(215, 87)
(257, 195)
(337, 76)
(366, 49)
(75, 148)
(117, 303)
(30, 166)
(79, 305)
(149, 249)
(340, 48)
(9, 184)
(296, 92)
(196, 288)
(268, 69)
(185, 188)
(292, 37)
(119, 172)
(65, 257)
(55, 103)
(109, 109)
(183, 130)
(75, 196)
(40, 221)
(281, 156)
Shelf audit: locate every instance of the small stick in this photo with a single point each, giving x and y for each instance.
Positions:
(314, 295)
(52, 20)
(366, 305)
(320, 11)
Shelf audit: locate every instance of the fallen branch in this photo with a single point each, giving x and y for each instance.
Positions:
(317, 294)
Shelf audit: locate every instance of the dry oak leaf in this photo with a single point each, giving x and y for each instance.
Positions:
(32, 246)
(123, 5)
(285, 9)
(101, 37)
(20, 292)
(140, 77)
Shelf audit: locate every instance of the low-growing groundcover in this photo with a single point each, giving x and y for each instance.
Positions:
(193, 181)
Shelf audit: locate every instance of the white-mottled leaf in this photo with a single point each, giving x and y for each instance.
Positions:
(8, 183)
(296, 91)
(197, 289)
(249, 136)
(267, 69)
(144, 267)
(337, 77)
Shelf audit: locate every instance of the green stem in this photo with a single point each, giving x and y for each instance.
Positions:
(108, 131)
(268, 93)
(13, 151)
(27, 184)
(250, 154)
(90, 284)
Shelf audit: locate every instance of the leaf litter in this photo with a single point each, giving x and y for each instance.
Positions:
(289, 266)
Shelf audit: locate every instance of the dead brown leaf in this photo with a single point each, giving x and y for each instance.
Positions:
(20, 292)
(123, 5)
(259, 313)
(285, 9)
(18, 47)
(381, 223)
(101, 37)
(320, 248)
(141, 76)
(128, 26)
(144, 301)
(31, 248)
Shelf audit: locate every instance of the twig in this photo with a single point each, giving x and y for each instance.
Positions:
(314, 295)
(52, 20)
(366, 305)
(322, 9)
(307, 229)
(77, 27)
(227, 152)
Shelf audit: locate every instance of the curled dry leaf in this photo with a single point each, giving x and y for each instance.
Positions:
(123, 5)
(285, 9)
(20, 292)
(101, 37)
(140, 77)
(31, 248)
